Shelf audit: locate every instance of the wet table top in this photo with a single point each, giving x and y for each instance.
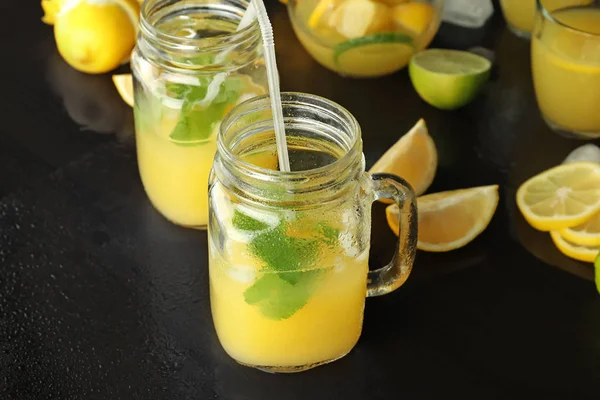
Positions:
(101, 298)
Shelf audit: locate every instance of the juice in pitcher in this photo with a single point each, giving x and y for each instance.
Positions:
(565, 56)
(364, 38)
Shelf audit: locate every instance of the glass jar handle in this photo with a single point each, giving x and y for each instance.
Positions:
(387, 279)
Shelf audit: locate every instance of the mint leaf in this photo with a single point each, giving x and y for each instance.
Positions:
(289, 281)
(197, 123)
(245, 223)
(279, 299)
(283, 253)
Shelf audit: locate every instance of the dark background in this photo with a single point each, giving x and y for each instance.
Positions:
(101, 298)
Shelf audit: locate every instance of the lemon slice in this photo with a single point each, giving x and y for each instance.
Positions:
(586, 234)
(319, 11)
(450, 220)
(581, 253)
(448, 79)
(124, 85)
(561, 197)
(413, 157)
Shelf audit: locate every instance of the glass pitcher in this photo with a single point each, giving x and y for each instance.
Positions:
(190, 67)
(289, 251)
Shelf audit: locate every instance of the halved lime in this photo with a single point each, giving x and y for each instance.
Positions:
(373, 55)
(448, 79)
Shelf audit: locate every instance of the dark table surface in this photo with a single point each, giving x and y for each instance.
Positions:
(101, 298)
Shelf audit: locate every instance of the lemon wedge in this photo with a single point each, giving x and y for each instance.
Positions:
(413, 157)
(561, 197)
(124, 85)
(450, 220)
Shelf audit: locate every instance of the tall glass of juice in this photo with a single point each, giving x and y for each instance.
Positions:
(520, 14)
(288, 251)
(190, 67)
(565, 56)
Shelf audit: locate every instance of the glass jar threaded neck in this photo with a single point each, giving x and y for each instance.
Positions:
(323, 140)
(198, 35)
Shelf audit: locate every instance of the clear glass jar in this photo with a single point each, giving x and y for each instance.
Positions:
(565, 62)
(288, 251)
(190, 67)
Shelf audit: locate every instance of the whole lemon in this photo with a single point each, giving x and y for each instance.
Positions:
(96, 36)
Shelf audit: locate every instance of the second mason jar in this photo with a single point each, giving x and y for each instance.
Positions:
(190, 67)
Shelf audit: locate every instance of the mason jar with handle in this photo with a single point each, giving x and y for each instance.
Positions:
(289, 251)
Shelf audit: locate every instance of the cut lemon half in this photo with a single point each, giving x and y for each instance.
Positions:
(124, 85)
(414, 158)
(581, 253)
(450, 220)
(586, 234)
(561, 197)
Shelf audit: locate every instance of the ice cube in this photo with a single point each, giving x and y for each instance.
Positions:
(242, 273)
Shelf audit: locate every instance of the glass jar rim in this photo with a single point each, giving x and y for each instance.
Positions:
(291, 98)
(548, 16)
(206, 44)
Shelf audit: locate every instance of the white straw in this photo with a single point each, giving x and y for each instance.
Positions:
(273, 80)
(272, 76)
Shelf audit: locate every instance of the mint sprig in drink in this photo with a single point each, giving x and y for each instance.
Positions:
(288, 277)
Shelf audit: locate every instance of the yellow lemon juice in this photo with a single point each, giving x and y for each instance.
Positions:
(287, 290)
(176, 143)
